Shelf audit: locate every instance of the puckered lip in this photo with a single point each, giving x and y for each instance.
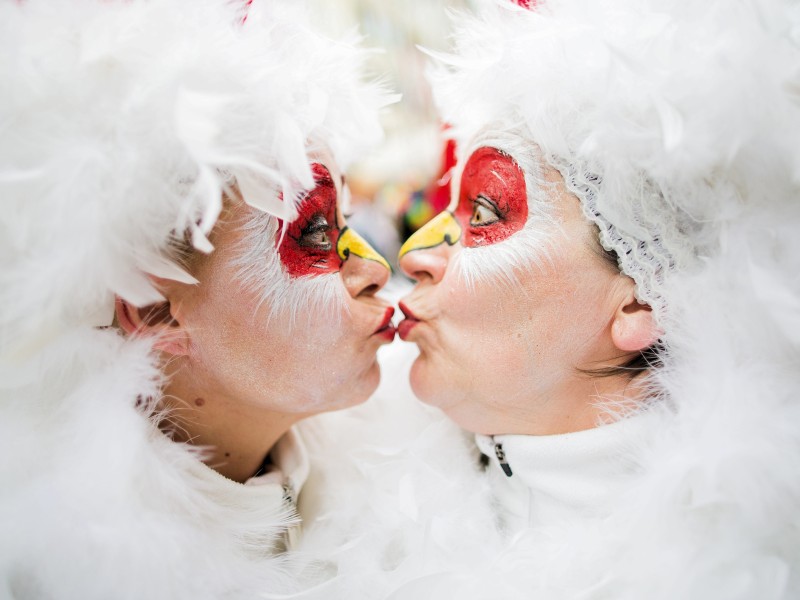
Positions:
(406, 325)
(386, 328)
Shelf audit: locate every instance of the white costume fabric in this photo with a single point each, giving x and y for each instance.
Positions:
(122, 124)
(276, 489)
(692, 110)
(547, 479)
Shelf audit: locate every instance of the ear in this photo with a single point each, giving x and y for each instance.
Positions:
(633, 328)
(155, 320)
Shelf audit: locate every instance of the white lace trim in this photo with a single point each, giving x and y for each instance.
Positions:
(659, 246)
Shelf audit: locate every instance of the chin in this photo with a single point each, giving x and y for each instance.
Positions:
(369, 383)
(358, 390)
(427, 387)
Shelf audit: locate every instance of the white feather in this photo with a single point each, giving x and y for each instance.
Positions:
(122, 125)
(697, 99)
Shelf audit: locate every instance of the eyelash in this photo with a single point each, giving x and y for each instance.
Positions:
(317, 225)
(484, 202)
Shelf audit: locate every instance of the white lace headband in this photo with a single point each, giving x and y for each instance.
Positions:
(650, 240)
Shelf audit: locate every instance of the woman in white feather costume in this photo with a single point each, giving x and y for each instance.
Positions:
(136, 138)
(672, 128)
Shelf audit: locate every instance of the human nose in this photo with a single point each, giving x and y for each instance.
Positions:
(425, 255)
(364, 271)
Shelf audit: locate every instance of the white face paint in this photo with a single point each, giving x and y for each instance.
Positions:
(288, 298)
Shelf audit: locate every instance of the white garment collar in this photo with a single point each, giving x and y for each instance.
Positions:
(289, 464)
(562, 476)
(282, 481)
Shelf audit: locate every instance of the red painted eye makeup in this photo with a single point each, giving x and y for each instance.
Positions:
(493, 200)
(309, 245)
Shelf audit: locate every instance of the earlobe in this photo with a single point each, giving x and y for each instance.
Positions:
(155, 320)
(634, 328)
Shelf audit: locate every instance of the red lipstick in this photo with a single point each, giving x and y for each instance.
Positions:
(406, 325)
(386, 329)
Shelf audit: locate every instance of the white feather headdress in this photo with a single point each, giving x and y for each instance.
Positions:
(121, 124)
(667, 121)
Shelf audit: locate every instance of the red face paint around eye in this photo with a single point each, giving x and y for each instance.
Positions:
(309, 244)
(493, 200)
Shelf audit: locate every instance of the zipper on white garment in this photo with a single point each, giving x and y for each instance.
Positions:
(501, 458)
(289, 494)
(291, 536)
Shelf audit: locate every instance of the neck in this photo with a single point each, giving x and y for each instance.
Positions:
(237, 436)
(583, 403)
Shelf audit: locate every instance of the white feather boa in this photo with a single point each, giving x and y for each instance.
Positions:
(703, 97)
(97, 503)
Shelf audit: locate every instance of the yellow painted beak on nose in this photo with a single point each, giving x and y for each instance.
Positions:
(350, 243)
(442, 228)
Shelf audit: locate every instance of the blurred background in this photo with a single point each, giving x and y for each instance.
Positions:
(403, 183)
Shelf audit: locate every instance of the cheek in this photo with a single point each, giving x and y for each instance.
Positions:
(222, 311)
(472, 367)
(484, 330)
(488, 332)
(335, 368)
(326, 347)
(227, 343)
